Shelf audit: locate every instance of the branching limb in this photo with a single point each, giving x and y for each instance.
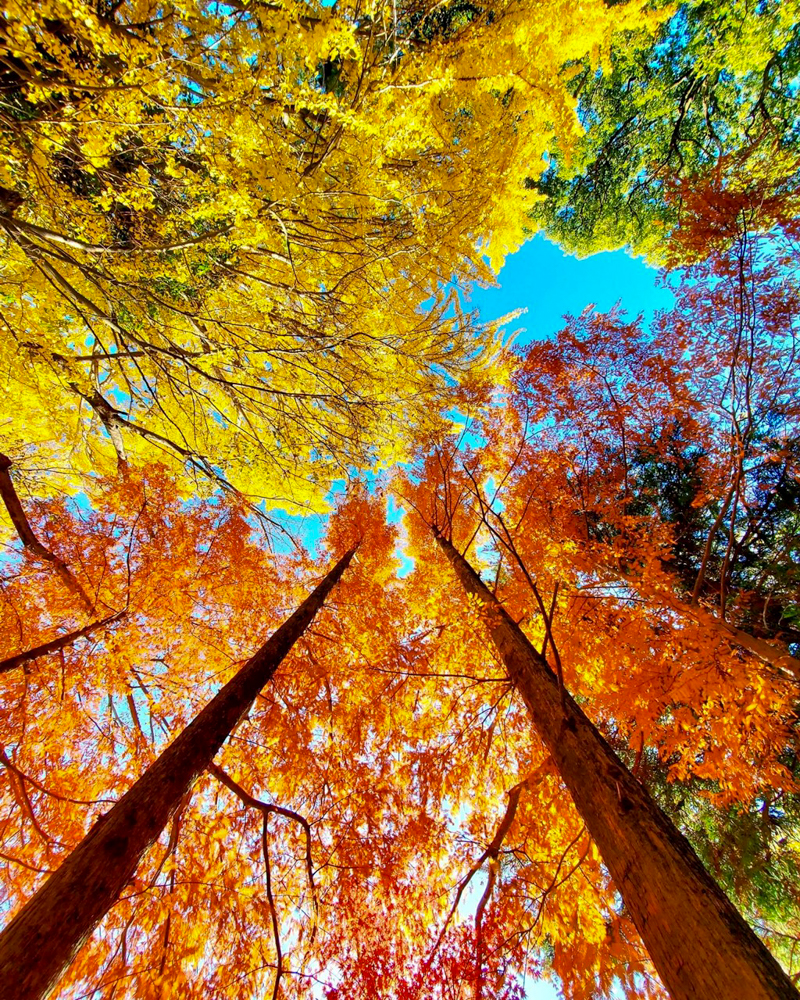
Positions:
(266, 809)
(7, 762)
(29, 539)
(556, 882)
(61, 642)
(491, 852)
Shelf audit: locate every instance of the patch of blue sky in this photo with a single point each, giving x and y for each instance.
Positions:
(550, 285)
(394, 515)
(307, 530)
(542, 989)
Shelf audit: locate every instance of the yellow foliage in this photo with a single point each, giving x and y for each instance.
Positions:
(228, 231)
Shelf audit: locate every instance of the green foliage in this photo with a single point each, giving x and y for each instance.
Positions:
(718, 83)
(750, 850)
(668, 484)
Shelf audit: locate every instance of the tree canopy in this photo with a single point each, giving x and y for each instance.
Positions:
(348, 649)
(218, 253)
(708, 99)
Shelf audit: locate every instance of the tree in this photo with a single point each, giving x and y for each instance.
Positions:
(335, 739)
(391, 732)
(694, 935)
(236, 238)
(598, 486)
(219, 253)
(707, 101)
(682, 444)
(39, 943)
(375, 731)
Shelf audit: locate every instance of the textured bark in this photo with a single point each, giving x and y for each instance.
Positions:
(60, 642)
(699, 943)
(41, 941)
(29, 539)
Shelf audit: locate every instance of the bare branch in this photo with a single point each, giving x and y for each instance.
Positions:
(29, 539)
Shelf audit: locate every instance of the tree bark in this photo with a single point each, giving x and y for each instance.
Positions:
(29, 539)
(40, 942)
(699, 943)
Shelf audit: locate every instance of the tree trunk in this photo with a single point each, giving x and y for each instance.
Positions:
(699, 943)
(40, 942)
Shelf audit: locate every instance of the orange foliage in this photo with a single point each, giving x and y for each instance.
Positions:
(391, 727)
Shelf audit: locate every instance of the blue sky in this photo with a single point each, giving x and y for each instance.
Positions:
(548, 283)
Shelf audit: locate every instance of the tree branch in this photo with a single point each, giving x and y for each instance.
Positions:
(29, 539)
(61, 642)
(266, 808)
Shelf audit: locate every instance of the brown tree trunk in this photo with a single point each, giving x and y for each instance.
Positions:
(700, 945)
(40, 942)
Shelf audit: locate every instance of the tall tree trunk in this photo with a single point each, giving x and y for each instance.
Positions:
(41, 941)
(700, 945)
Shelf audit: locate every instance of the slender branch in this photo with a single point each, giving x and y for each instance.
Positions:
(271, 900)
(701, 573)
(487, 892)
(18, 225)
(29, 539)
(61, 642)
(548, 630)
(24, 864)
(7, 762)
(266, 808)
(491, 851)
